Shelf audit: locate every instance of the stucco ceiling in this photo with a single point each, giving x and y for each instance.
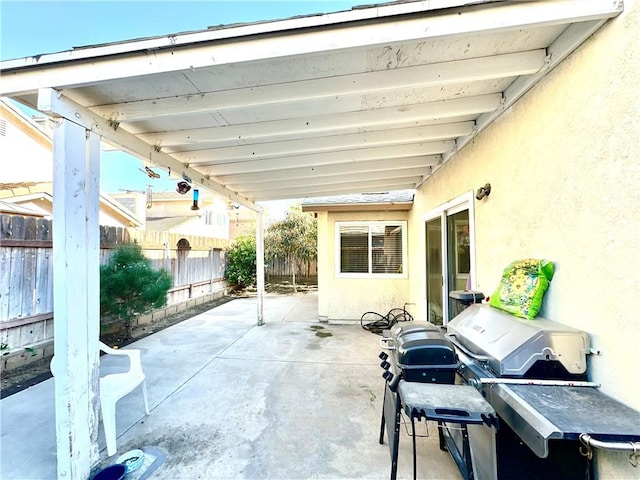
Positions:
(374, 99)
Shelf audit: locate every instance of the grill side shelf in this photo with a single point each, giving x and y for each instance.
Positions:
(532, 427)
(539, 413)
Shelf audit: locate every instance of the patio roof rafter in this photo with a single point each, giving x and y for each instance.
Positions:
(334, 170)
(55, 104)
(442, 73)
(337, 189)
(334, 143)
(346, 157)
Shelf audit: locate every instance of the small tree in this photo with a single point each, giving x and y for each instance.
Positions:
(129, 285)
(294, 238)
(241, 262)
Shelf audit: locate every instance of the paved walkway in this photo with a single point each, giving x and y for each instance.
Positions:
(293, 399)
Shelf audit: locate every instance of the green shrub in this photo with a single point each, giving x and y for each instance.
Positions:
(241, 262)
(129, 285)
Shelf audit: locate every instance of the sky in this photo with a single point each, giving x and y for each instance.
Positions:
(30, 28)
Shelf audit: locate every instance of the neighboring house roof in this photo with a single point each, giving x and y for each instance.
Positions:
(399, 200)
(34, 128)
(39, 198)
(9, 208)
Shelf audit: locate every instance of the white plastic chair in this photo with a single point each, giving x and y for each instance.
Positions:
(113, 387)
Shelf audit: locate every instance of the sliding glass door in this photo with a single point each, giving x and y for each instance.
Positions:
(449, 256)
(434, 271)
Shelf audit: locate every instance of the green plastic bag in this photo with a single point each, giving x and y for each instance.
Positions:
(522, 287)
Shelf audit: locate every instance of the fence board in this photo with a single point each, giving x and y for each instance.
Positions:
(28, 289)
(30, 334)
(15, 282)
(5, 227)
(30, 228)
(17, 227)
(44, 230)
(44, 282)
(5, 270)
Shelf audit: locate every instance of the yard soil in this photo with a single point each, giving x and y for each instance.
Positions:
(18, 379)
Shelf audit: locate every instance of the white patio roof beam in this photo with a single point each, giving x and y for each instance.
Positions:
(398, 172)
(459, 71)
(380, 138)
(305, 41)
(52, 102)
(344, 169)
(379, 186)
(278, 130)
(346, 157)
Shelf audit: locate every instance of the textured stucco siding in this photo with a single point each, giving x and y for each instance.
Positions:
(564, 166)
(349, 298)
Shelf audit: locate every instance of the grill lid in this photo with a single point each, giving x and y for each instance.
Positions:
(512, 345)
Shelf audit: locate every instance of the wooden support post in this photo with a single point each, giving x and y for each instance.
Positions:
(76, 251)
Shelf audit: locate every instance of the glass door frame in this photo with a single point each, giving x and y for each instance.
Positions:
(458, 204)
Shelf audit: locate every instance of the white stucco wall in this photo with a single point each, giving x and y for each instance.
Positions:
(564, 166)
(349, 298)
(26, 155)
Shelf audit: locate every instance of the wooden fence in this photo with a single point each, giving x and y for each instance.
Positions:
(282, 268)
(196, 265)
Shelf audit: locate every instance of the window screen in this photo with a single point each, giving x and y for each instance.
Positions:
(354, 249)
(371, 248)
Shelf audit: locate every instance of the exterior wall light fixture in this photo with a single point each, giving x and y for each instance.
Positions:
(483, 191)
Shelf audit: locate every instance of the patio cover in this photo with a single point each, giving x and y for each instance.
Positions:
(370, 100)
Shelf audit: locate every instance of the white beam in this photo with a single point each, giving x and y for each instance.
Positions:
(348, 156)
(76, 261)
(230, 32)
(391, 117)
(55, 103)
(435, 74)
(382, 184)
(398, 136)
(284, 195)
(287, 175)
(501, 16)
(363, 175)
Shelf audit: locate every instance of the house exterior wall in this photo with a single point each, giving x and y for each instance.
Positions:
(26, 152)
(563, 164)
(349, 298)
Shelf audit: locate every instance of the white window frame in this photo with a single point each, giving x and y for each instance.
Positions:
(405, 266)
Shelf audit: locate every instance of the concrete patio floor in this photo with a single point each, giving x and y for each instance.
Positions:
(293, 399)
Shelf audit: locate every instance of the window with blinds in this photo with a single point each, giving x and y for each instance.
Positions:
(372, 248)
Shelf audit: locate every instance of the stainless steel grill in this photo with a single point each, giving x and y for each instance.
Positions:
(533, 374)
